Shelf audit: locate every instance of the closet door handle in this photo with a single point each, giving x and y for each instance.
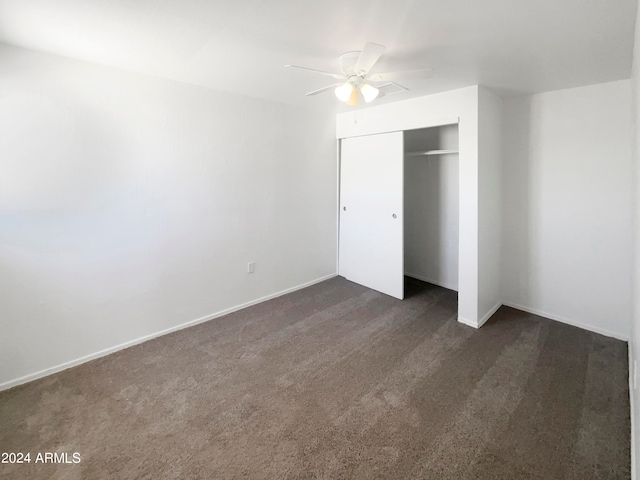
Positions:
(394, 216)
(344, 208)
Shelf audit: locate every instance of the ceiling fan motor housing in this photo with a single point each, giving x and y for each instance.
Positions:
(348, 63)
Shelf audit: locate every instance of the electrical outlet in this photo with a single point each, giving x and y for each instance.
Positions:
(251, 267)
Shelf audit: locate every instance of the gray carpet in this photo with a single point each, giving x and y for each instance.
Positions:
(336, 381)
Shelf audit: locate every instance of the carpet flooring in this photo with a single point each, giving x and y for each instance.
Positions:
(336, 381)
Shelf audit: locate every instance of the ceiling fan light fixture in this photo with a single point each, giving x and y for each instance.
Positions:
(369, 92)
(353, 98)
(344, 91)
(355, 68)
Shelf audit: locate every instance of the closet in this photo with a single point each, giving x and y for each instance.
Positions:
(431, 205)
(371, 232)
(399, 208)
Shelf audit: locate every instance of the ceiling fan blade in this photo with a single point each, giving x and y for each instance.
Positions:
(368, 57)
(323, 89)
(328, 74)
(391, 76)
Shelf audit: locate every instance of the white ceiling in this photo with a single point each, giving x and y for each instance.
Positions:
(514, 46)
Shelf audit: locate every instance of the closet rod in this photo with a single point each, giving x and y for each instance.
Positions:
(430, 152)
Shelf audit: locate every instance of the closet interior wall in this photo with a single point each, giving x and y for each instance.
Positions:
(431, 205)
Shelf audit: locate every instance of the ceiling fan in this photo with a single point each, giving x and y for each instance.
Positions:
(356, 78)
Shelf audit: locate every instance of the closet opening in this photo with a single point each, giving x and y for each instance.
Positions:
(431, 205)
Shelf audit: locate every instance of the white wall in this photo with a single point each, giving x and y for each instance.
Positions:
(489, 204)
(431, 206)
(634, 342)
(567, 203)
(432, 110)
(130, 205)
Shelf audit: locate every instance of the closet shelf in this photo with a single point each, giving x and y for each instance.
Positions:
(430, 152)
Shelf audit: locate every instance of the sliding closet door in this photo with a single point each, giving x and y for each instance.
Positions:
(371, 212)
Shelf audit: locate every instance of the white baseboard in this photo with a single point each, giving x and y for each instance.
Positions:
(430, 280)
(483, 320)
(122, 346)
(489, 314)
(568, 321)
(468, 322)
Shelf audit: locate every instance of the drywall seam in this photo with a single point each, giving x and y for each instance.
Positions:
(131, 343)
(568, 321)
(448, 286)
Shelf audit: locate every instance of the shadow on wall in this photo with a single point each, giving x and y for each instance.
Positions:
(517, 177)
(423, 218)
(70, 217)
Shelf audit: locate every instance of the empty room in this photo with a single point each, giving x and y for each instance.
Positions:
(355, 239)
